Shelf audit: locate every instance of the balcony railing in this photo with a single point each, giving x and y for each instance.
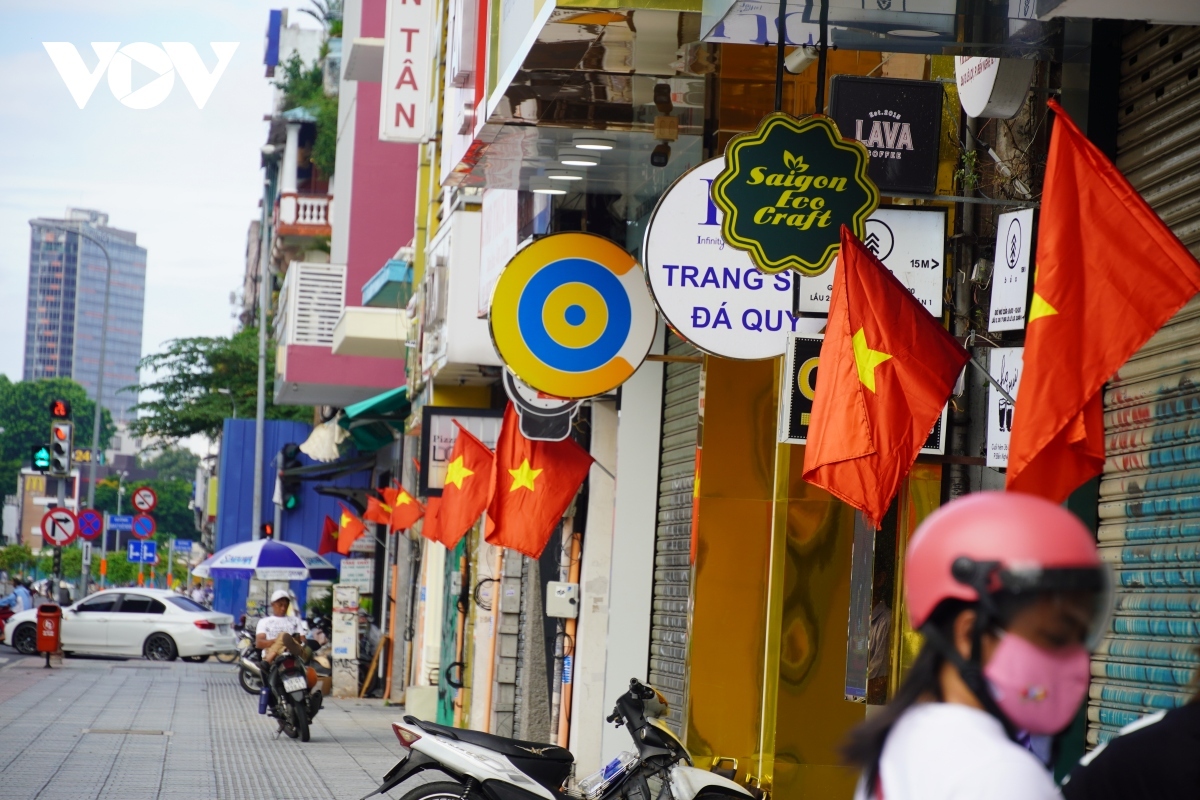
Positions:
(303, 214)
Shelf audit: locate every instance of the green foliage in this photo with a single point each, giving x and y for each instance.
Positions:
(16, 559)
(188, 376)
(303, 86)
(25, 417)
(322, 606)
(968, 175)
(172, 463)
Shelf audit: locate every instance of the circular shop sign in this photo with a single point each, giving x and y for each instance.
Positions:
(571, 317)
(710, 293)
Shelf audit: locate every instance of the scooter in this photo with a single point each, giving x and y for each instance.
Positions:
(481, 765)
(288, 693)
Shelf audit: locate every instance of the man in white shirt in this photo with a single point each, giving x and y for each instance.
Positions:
(268, 634)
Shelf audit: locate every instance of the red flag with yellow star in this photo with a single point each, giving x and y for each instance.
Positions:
(406, 510)
(1109, 275)
(377, 511)
(350, 527)
(887, 368)
(431, 530)
(329, 532)
(465, 491)
(534, 483)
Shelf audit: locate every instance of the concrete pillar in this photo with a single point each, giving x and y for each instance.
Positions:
(291, 151)
(533, 699)
(635, 510)
(504, 678)
(588, 708)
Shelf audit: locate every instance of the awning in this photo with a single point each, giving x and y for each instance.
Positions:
(377, 421)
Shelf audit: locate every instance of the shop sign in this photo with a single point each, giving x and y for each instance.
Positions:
(802, 363)
(910, 242)
(1010, 272)
(542, 417)
(992, 87)
(1004, 364)
(358, 572)
(788, 187)
(571, 315)
(711, 294)
(900, 124)
(438, 434)
(407, 71)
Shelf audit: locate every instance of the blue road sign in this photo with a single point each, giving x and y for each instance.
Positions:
(149, 552)
(120, 522)
(183, 545)
(134, 555)
(142, 552)
(90, 523)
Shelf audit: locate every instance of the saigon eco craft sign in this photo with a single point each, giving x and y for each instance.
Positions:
(788, 187)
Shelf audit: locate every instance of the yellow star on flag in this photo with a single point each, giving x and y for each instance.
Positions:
(1040, 308)
(866, 359)
(456, 472)
(523, 476)
(403, 499)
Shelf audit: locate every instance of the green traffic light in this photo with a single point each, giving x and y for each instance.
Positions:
(291, 501)
(41, 458)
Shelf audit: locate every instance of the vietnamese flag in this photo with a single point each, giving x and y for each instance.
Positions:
(1109, 275)
(329, 536)
(377, 511)
(534, 483)
(431, 530)
(887, 368)
(350, 528)
(468, 483)
(405, 510)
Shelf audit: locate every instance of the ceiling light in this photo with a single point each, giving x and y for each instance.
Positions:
(577, 158)
(564, 175)
(593, 143)
(542, 186)
(912, 33)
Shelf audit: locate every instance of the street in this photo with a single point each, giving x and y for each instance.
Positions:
(136, 730)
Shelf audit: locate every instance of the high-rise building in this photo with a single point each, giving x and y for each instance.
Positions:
(65, 311)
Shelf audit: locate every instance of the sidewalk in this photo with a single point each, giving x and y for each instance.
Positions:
(160, 731)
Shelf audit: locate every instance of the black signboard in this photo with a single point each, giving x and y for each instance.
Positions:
(898, 121)
(803, 357)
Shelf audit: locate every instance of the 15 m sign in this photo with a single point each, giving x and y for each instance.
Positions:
(407, 71)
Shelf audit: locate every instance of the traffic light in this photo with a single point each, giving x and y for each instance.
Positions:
(289, 485)
(40, 458)
(60, 409)
(268, 530)
(60, 448)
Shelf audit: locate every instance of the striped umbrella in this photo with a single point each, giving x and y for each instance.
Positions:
(268, 560)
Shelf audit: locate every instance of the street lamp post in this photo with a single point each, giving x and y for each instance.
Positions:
(264, 306)
(232, 403)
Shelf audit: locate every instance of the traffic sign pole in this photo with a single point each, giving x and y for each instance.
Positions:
(62, 503)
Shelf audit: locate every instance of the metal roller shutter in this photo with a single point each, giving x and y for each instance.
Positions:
(1150, 491)
(673, 534)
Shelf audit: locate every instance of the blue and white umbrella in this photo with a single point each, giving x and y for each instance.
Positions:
(268, 560)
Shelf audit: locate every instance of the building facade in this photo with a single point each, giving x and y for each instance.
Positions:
(65, 310)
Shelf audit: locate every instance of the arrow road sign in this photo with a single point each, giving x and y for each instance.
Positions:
(145, 500)
(86, 548)
(142, 552)
(90, 523)
(120, 522)
(59, 527)
(143, 526)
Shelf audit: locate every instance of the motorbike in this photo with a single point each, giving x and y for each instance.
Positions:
(481, 765)
(288, 692)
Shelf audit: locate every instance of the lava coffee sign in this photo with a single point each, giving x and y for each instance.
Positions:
(899, 122)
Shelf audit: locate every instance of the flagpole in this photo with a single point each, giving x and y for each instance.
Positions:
(992, 381)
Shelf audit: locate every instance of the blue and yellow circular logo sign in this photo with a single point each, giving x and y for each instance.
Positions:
(571, 316)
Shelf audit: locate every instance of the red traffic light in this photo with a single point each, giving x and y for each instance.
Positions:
(60, 409)
(60, 433)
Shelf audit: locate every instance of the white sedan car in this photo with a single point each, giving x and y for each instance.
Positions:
(158, 624)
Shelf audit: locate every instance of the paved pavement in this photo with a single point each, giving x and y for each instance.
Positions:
(136, 730)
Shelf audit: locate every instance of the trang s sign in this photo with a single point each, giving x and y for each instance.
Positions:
(788, 187)
(404, 115)
(712, 294)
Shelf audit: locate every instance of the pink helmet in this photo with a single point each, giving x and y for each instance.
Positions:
(999, 540)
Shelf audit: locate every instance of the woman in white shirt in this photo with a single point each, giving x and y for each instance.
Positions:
(1009, 592)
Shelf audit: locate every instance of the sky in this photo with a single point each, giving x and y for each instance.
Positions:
(186, 180)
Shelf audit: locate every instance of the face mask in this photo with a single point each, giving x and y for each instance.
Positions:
(1038, 690)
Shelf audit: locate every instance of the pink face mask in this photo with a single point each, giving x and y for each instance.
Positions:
(1038, 690)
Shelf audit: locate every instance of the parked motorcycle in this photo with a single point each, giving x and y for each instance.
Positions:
(482, 765)
(289, 692)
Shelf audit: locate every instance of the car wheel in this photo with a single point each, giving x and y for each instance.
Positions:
(24, 639)
(195, 659)
(160, 647)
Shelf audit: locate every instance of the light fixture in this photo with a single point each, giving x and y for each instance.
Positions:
(593, 143)
(913, 33)
(577, 158)
(564, 175)
(543, 186)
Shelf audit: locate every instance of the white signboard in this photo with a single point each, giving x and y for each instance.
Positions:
(910, 242)
(710, 293)
(407, 71)
(992, 87)
(358, 572)
(497, 240)
(1005, 366)
(1010, 274)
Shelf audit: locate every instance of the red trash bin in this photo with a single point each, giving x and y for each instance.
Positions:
(49, 625)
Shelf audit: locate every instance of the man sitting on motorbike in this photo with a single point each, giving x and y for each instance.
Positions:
(268, 636)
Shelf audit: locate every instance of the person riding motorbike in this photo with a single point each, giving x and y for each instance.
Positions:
(1010, 593)
(268, 635)
(19, 599)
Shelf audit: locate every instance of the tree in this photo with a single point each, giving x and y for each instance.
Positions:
(25, 416)
(201, 381)
(172, 463)
(304, 87)
(16, 558)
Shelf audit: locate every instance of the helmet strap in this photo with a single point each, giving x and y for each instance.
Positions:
(971, 670)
